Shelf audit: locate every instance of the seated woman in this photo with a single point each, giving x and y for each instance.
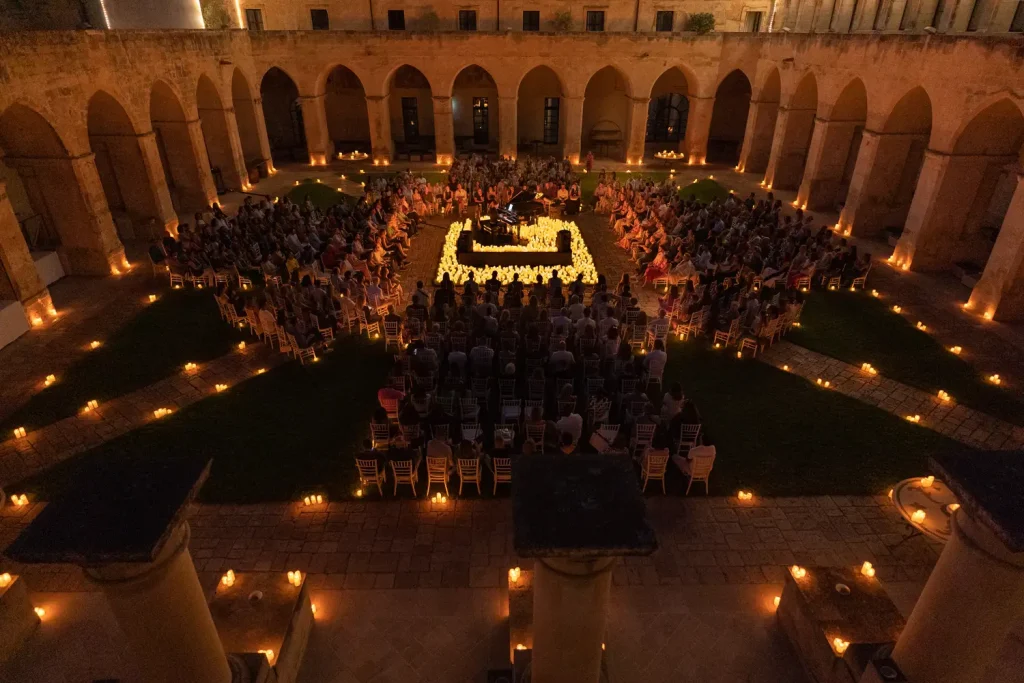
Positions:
(657, 268)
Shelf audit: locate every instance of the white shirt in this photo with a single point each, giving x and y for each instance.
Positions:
(656, 361)
(572, 424)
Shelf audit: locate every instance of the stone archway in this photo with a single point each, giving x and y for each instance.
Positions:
(182, 153)
(58, 200)
(283, 115)
(475, 110)
(133, 183)
(834, 148)
(606, 111)
(540, 119)
(348, 123)
(411, 109)
(729, 118)
(668, 112)
(888, 166)
(793, 130)
(246, 120)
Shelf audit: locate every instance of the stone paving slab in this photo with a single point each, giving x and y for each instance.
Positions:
(952, 419)
(468, 542)
(45, 447)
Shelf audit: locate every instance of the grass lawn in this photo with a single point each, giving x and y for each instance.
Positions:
(780, 435)
(322, 196)
(857, 328)
(181, 326)
(271, 438)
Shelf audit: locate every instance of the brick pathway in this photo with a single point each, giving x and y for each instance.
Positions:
(957, 421)
(20, 458)
(468, 542)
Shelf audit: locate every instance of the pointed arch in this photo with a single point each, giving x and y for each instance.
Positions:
(475, 109)
(282, 113)
(348, 122)
(178, 153)
(606, 112)
(729, 118)
(540, 116)
(411, 105)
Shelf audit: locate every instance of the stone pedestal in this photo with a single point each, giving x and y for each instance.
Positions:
(975, 594)
(575, 516)
(124, 523)
(17, 618)
(828, 603)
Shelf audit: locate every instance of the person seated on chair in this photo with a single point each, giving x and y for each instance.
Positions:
(655, 361)
(562, 360)
(567, 444)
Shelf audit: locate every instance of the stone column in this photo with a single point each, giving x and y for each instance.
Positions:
(314, 120)
(572, 110)
(972, 600)
(1000, 291)
(261, 132)
(757, 139)
(96, 248)
(826, 161)
(570, 614)
(789, 148)
(1002, 16)
(379, 114)
(444, 129)
(945, 198)
(637, 129)
(698, 128)
(224, 147)
(508, 127)
(17, 262)
(874, 194)
(206, 192)
(163, 208)
(162, 611)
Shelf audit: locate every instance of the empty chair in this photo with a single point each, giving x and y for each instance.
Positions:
(380, 435)
(688, 434)
(502, 472)
(470, 430)
(439, 432)
(369, 473)
(390, 406)
(535, 432)
(437, 473)
(404, 473)
(392, 335)
(643, 433)
(469, 472)
(510, 410)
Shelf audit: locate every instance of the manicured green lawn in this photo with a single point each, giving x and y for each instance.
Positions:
(777, 434)
(857, 328)
(181, 326)
(271, 438)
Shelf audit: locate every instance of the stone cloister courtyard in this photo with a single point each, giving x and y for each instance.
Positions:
(418, 590)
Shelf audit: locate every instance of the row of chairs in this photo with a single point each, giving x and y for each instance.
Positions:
(439, 471)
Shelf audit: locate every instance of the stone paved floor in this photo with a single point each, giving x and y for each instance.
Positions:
(969, 426)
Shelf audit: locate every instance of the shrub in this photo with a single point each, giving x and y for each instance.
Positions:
(563, 21)
(701, 22)
(214, 15)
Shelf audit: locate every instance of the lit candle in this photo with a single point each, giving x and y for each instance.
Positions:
(19, 432)
(926, 482)
(220, 387)
(5, 580)
(50, 379)
(867, 569)
(228, 579)
(94, 345)
(513, 574)
(797, 571)
(840, 645)
(918, 516)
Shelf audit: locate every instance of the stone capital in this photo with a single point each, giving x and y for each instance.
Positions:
(376, 98)
(641, 100)
(311, 98)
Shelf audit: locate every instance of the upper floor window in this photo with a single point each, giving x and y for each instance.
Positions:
(467, 19)
(664, 20)
(531, 20)
(319, 19)
(254, 19)
(396, 19)
(754, 21)
(595, 20)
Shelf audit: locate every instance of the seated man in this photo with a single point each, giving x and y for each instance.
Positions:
(562, 360)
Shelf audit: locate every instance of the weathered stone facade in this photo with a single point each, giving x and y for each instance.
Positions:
(854, 121)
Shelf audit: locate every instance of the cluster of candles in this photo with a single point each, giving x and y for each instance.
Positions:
(19, 432)
(745, 495)
(823, 383)
(438, 498)
(161, 412)
(513, 574)
(314, 499)
(868, 368)
(91, 406)
(295, 578)
(220, 387)
(19, 501)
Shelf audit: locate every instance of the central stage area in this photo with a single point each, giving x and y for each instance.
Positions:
(537, 253)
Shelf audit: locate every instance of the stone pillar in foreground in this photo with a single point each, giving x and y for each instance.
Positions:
(1000, 291)
(572, 110)
(22, 276)
(508, 127)
(975, 594)
(575, 516)
(793, 131)
(826, 162)
(125, 525)
(444, 130)
(757, 139)
(637, 129)
(698, 128)
(314, 119)
(379, 114)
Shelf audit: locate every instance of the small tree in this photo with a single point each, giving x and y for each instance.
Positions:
(214, 14)
(701, 22)
(429, 21)
(563, 21)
